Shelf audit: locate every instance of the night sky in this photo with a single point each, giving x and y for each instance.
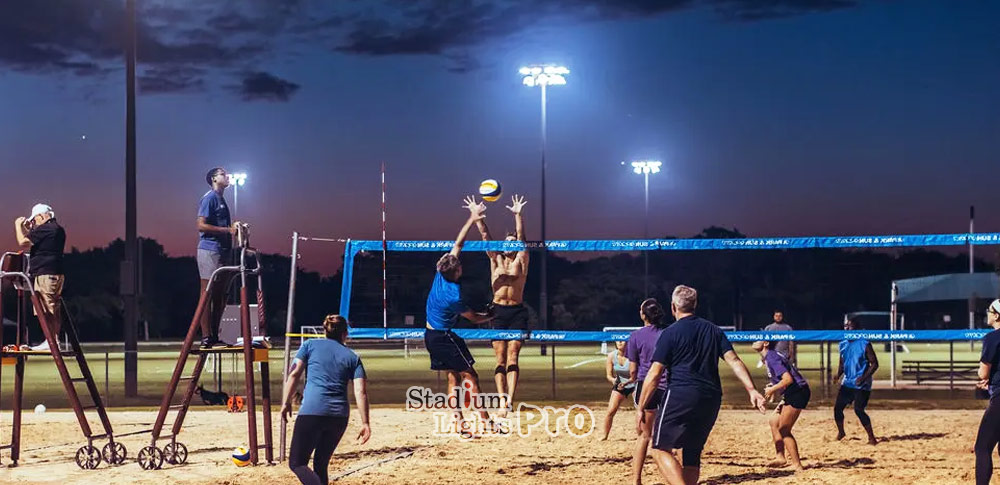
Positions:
(776, 117)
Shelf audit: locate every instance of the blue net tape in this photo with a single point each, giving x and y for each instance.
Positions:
(694, 244)
(589, 336)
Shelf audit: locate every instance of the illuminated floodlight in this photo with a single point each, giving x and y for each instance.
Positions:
(646, 166)
(543, 75)
(237, 179)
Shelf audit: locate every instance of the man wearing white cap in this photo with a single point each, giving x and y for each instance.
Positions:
(46, 239)
(989, 380)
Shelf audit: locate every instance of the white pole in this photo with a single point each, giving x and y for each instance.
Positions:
(385, 301)
(972, 303)
(290, 315)
(645, 235)
(892, 343)
(236, 199)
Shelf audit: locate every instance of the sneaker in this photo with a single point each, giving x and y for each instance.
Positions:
(42, 347)
(209, 342)
(257, 342)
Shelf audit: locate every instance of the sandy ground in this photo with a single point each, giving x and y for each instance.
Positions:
(917, 447)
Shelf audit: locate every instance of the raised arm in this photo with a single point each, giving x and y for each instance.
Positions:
(21, 233)
(743, 374)
(484, 231)
(361, 398)
(476, 213)
(517, 203)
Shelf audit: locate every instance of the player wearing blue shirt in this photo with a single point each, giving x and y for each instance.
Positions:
(858, 364)
(215, 231)
(689, 350)
(989, 379)
(448, 351)
(329, 367)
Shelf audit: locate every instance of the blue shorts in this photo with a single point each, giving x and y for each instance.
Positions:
(448, 351)
(684, 421)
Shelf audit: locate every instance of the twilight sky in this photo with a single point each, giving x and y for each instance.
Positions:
(776, 117)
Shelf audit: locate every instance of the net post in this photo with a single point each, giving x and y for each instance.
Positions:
(951, 365)
(892, 327)
(348, 278)
(289, 317)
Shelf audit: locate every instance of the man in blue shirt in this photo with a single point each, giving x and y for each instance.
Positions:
(448, 351)
(214, 247)
(858, 364)
(989, 380)
(689, 350)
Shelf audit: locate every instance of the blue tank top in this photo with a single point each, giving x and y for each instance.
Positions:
(621, 371)
(852, 354)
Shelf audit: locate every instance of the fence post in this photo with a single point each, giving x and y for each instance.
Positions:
(951, 365)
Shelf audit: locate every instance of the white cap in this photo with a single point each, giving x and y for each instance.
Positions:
(995, 306)
(40, 209)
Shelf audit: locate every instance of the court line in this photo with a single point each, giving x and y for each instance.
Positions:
(584, 362)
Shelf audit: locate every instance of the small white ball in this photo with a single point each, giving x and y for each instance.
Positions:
(40, 409)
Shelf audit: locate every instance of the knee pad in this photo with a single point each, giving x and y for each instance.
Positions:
(513, 368)
(500, 370)
(691, 457)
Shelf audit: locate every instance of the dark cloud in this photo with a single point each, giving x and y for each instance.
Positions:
(263, 86)
(438, 26)
(86, 38)
(171, 80)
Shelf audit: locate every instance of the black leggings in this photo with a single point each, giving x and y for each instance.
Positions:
(860, 398)
(986, 442)
(315, 433)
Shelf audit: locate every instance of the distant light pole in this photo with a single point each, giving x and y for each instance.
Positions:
(543, 75)
(644, 168)
(237, 180)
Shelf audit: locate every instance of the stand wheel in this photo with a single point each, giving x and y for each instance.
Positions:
(114, 453)
(88, 457)
(175, 453)
(150, 458)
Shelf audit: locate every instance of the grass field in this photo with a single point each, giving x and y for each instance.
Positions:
(578, 372)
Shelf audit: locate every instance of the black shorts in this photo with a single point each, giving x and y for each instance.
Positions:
(653, 403)
(684, 421)
(796, 396)
(447, 350)
(847, 395)
(623, 391)
(510, 317)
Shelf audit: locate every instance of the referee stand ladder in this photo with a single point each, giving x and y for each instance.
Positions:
(174, 452)
(14, 268)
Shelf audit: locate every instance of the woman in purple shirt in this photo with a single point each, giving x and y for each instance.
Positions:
(786, 381)
(639, 351)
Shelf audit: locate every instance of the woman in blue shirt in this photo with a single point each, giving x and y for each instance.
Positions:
(858, 364)
(989, 379)
(329, 366)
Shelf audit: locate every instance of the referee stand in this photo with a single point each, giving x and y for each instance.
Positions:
(14, 268)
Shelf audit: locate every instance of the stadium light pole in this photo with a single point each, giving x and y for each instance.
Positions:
(542, 76)
(129, 275)
(645, 168)
(237, 180)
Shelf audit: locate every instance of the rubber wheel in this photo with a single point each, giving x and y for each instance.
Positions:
(88, 457)
(114, 453)
(175, 453)
(150, 458)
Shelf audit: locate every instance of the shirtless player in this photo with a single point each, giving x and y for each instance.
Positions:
(508, 273)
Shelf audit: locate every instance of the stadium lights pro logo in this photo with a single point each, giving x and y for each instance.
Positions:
(576, 420)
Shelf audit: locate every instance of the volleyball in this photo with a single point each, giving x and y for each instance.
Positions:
(490, 190)
(241, 457)
(40, 409)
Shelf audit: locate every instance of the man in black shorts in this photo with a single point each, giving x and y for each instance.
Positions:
(689, 350)
(508, 274)
(858, 364)
(448, 351)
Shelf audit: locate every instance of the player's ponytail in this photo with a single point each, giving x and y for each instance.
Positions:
(653, 312)
(335, 327)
